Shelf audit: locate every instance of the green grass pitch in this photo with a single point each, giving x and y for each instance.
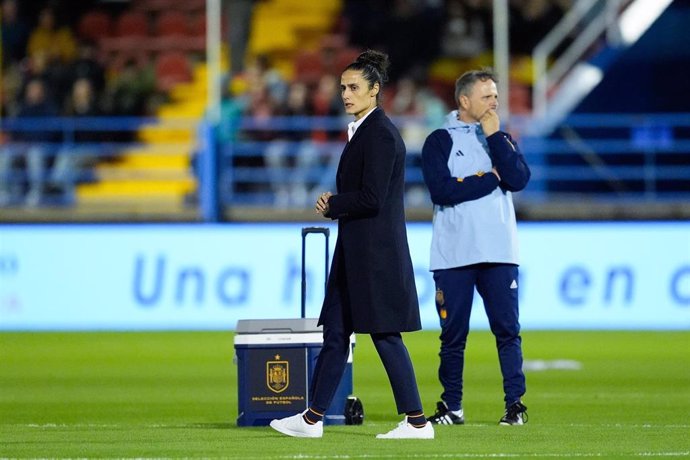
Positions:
(174, 394)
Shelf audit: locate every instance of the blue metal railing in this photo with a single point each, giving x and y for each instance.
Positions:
(598, 157)
(282, 161)
(34, 151)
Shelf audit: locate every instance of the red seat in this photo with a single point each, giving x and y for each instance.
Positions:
(172, 67)
(158, 6)
(118, 51)
(132, 24)
(520, 98)
(197, 25)
(95, 25)
(192, 5)
(155, 6)
(170, 23)
(308, 67)
(345, 57)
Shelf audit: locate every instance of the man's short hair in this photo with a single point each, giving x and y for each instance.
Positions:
(464, 84)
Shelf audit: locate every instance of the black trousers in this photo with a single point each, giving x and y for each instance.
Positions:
(332, 360)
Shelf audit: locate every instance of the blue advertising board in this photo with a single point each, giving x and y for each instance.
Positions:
(198, 276)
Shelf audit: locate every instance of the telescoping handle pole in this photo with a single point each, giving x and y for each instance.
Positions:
(306, 231)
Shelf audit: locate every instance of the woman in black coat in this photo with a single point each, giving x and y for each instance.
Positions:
(371, 286)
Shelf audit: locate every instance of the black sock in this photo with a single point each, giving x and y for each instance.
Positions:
(311, 416)
(416, 419)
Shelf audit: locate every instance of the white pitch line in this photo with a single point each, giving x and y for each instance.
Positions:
(192, 425)
(623, 425)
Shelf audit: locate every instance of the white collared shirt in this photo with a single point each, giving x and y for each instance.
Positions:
(352, 126)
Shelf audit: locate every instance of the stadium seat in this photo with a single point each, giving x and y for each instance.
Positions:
(196, 38)
(520, 98)
(172, 23)
(192, 5)
(197, 25)
(95, 25)
(159, 6)
(345, 57)
(308, 67)
(172, 67)
(174, 30)
(155, 6)
(132, 23)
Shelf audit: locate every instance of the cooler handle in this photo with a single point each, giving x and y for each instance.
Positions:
(306, 231)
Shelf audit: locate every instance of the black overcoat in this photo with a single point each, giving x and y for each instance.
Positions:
(372, 273)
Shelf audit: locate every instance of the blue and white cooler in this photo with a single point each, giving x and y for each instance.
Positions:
(275, 363)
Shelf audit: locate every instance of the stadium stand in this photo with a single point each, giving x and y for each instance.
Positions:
(626, 165)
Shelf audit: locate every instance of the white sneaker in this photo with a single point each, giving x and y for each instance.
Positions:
(297, 427)
(406, 431)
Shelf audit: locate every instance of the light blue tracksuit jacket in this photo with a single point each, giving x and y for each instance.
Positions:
(474, 218)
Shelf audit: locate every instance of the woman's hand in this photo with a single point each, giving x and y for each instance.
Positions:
(322, 203)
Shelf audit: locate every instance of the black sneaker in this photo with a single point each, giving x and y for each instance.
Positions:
(516, 414)
(445, 417)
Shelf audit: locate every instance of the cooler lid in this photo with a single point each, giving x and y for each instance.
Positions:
(277, 326)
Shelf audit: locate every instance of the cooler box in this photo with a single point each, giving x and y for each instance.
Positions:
(275, 363)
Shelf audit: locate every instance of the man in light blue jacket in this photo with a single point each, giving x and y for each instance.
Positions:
(471, 167)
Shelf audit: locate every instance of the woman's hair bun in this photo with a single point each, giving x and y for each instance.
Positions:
(376, 59)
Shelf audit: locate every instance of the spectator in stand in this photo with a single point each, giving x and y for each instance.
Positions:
(15, 35)
(10, 88)
(262, 95)
(81, 150)
(326, 102)
(57, 41)
(55, 48)
(128, 91)
(412, 98)
(331, 46)
(262, 69)
(292, 149)
(259, 106)
(38, 66)
(421, 111)
(32, 148)
(86, 65)
(465, 35)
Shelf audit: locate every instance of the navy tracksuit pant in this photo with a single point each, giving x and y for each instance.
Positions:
(497, 285)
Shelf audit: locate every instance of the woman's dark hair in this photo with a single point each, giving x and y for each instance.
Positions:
(374, 67)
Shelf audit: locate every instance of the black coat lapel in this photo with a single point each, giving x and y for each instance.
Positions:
(358, 134)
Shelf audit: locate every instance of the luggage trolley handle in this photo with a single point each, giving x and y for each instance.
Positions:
(306, 231)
